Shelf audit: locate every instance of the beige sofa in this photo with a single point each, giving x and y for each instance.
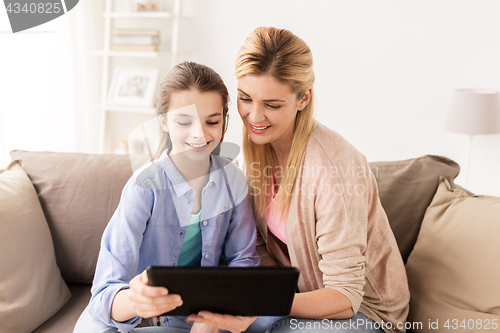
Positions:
(69, 198)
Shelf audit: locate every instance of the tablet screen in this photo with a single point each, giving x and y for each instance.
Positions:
(244, 291)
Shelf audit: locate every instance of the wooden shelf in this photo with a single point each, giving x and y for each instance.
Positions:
(138, 14)
(108, 141)
(136, 54)
(127, 108)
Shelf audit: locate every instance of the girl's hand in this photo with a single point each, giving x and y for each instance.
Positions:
(234, 324)
(150, 301)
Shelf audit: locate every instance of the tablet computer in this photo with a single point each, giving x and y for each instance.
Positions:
(243, 291)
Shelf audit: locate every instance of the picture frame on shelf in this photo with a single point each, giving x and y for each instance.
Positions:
(146, 5)
(133, 86)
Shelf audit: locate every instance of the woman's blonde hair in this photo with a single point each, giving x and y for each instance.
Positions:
(189, 76)
(277, 52)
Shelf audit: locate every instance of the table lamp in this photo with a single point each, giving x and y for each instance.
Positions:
(474, 111)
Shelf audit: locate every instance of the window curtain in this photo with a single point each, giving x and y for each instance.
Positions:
(45, 73)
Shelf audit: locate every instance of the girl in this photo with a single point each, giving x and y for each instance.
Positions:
(315, 201)
(186, 207)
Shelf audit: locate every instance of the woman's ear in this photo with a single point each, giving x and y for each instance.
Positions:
(305, 99)
(163, 122)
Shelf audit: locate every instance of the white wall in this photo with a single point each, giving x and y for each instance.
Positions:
(46, 83)
(36, 107)
(385, 70)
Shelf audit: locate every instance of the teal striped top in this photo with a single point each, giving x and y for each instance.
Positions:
(191, 246)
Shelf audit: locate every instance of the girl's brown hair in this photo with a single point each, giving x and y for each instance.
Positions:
(187, 76)
(277, 52)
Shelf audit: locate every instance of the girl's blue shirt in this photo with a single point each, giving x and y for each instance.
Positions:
(150, 222)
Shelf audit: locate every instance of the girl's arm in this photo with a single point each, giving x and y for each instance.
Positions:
(142, 300)
(240, 242)
(112, 299)
(239, 246)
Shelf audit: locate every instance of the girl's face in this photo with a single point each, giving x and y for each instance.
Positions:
(194, 122)
(268, 109)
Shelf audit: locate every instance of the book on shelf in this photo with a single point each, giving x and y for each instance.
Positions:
(141, 40)
(146, 5)
(137, 32)
(135, 47)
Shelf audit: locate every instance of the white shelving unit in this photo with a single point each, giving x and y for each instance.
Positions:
(110, 16)
(138, 15)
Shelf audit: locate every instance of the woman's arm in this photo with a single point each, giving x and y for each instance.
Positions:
(234, 324)
(334, 205)
(341, 207)
(323, 303)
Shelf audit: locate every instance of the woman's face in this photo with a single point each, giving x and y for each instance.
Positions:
(194, 122)
(268, 109)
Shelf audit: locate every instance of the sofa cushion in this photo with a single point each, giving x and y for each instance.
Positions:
(454, 268)
(406, 189)
(79, 193)
(64, 321)
(30, 281)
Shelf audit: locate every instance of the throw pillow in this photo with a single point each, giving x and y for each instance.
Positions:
(79, 193)
(31, 287)
(406, 189)
(454, 268)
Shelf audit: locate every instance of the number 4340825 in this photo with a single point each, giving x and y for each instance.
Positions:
(46, 8)
(478, 324)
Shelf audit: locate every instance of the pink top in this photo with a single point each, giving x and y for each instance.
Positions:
(273, 218)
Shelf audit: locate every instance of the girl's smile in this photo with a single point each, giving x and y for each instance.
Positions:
(194, 123)
(200, 146)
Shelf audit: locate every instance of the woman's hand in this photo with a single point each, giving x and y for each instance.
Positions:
(143, 300)
(204, 328)
(234, 324)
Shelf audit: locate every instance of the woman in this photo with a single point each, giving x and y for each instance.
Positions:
(315, 201)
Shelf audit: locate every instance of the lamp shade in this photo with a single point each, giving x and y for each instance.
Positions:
(474, 111)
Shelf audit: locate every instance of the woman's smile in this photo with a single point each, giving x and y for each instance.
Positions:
(259, 129)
